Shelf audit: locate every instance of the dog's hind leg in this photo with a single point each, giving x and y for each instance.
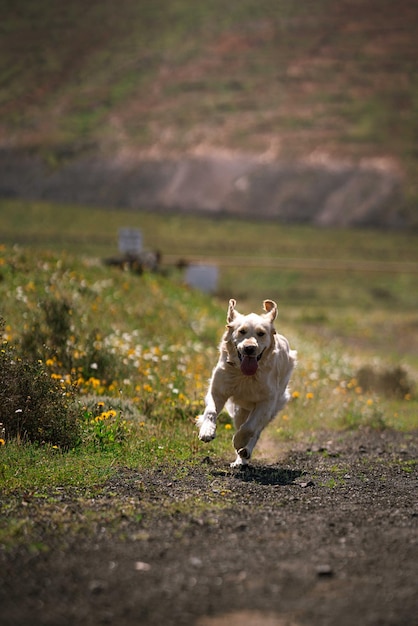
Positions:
(246, 452)
(244, 443)
(247, 436)
(239, 462)
(238, 414)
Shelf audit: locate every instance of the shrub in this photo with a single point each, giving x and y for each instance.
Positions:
(49, 333)
(34, 406)
(391, 381)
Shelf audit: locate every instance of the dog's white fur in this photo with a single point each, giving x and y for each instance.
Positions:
(251, 400)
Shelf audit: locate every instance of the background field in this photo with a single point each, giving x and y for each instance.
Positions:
(357, 285)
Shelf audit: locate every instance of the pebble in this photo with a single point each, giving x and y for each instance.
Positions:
(309, 483)
(97, 586)
(140, 566)
(324, 571)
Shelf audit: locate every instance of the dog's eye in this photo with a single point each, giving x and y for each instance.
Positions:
(242, 331)
(261, 333)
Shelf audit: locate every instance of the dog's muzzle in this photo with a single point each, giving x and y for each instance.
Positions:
(249, 352)
(249, 360)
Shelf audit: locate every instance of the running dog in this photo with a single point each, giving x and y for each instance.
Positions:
(250, 379)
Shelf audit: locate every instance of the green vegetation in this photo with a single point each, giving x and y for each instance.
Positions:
(33, 405)
(103, 368)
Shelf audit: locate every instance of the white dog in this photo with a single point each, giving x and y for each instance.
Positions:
(251, 378)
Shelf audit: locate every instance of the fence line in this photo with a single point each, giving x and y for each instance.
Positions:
(284, 263)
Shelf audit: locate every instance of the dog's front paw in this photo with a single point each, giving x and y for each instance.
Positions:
(207, 431)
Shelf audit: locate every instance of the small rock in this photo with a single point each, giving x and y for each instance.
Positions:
(309, 483)
(96, 586)
(324, 571)
(140, 566)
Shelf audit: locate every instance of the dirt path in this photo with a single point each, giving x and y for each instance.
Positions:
(327, 535)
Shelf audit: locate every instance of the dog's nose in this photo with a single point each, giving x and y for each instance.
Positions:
(249, 350)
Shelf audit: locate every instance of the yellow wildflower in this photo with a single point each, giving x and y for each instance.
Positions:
(94, 382)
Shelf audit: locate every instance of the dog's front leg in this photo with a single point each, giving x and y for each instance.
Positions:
(207, 422)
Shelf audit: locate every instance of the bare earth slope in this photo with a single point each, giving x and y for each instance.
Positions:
(332, 194)
(320, 82)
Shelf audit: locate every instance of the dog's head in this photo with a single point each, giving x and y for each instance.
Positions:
(248, 338)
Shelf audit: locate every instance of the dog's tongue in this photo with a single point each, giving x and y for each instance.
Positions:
(249, 365)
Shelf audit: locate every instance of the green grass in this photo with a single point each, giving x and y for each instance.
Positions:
(93, 231)
(35, 468)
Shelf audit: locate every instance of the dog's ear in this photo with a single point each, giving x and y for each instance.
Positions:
(231, 311)
(271, 310)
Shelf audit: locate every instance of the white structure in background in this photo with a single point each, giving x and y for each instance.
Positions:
(203, 277)
(130, 241)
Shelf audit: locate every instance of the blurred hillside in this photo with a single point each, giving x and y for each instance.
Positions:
(282, 80)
